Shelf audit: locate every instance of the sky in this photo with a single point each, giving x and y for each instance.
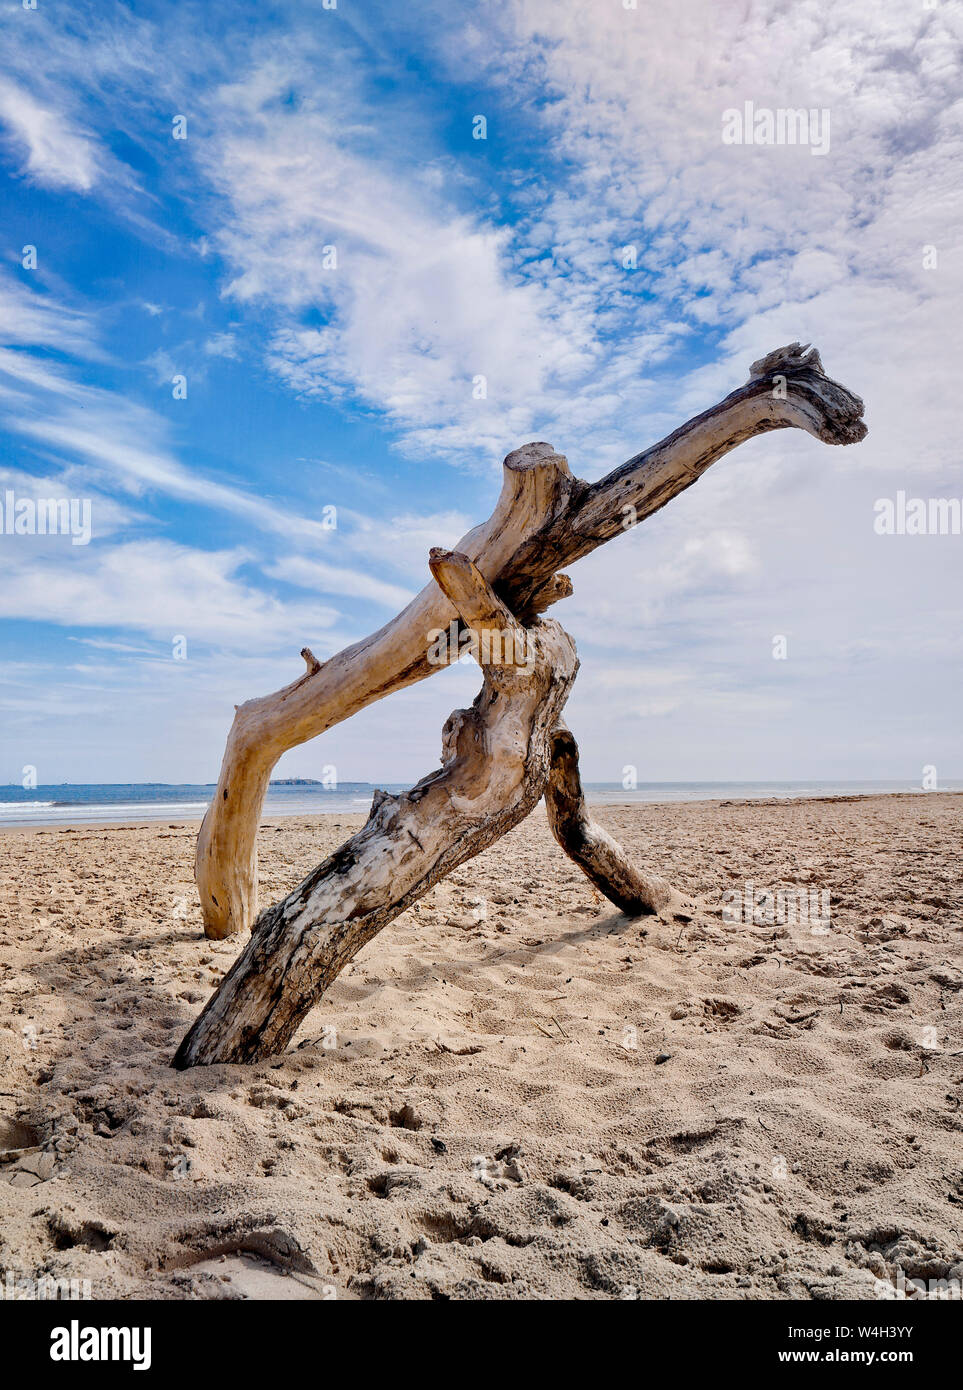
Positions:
(256, 259)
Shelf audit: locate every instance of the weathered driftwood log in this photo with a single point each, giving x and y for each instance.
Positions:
(536, 486)
(495, 766)
(634, 890)
(543, 521)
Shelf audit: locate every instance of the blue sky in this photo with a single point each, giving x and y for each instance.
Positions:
(313, 385)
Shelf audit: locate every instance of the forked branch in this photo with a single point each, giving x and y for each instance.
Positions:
(544, 520)
(495, 766)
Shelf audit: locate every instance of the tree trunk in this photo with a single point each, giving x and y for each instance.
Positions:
(495, 766)
(543, 521)
(633, 890)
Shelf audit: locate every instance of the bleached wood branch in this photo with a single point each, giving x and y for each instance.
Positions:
(544, 520)
(495, 766)
(635, 891)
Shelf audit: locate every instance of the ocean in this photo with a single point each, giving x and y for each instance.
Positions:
(132, 803)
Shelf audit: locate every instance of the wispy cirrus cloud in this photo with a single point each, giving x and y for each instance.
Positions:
(156, 587)
(118, 438)
(324, 578)
(29, 318)
(51, 152)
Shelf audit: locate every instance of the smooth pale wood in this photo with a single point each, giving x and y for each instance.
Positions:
(495, 760)
(535, 487)
(634, 890)
(544, 520)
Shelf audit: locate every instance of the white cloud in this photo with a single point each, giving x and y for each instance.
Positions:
(222, 345)
(123, 441)
(787, 246)
(757, 246)
(57, 156)
(29, 318)
(153, 587)
(108, 516)
(421, 302)
(403, 541)
(326, 578)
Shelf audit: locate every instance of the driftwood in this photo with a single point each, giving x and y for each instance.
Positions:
(536, 486)
(498, 758)
(633, 890)
(544, 520)
(495, 760)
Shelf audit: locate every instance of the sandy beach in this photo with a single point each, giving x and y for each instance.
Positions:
(514, 1092)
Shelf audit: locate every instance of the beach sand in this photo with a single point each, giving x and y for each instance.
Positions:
(514, 1092)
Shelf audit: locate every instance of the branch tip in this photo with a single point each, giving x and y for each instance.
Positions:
(793, 357)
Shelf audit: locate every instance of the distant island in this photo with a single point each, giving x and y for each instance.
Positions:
(312, 782)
